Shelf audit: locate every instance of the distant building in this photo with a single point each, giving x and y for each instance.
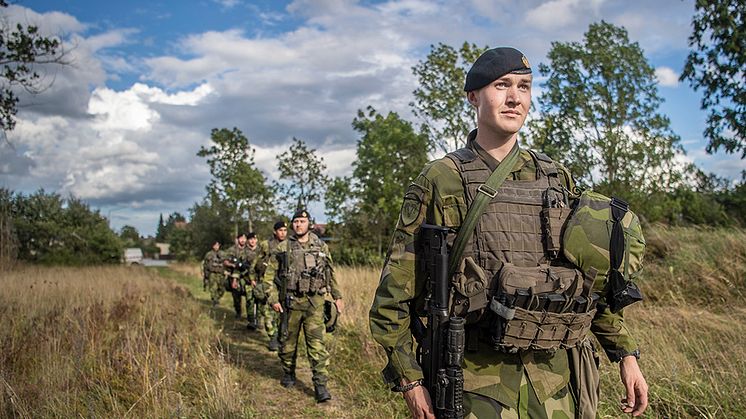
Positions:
(164, 251)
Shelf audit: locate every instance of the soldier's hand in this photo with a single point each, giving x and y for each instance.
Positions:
(253, 283)
(234, 284)
(419, 402)
(340, 305)
(277, 307)
(636, 400)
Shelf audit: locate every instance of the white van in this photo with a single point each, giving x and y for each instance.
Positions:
(133, 256)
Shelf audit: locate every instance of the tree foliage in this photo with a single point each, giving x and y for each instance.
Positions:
(129, 236)
(389, 155)
(440, 99)
(22, 51)
(52, 230)
(302, 177)
(235, 177)
(364, 208)
(717, 65)
(600, 108)
(210, 222)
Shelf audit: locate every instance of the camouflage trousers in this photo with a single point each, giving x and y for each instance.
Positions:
(307, 313)
(268, 318)
(216, 287)
(559, 406)
(238, 295)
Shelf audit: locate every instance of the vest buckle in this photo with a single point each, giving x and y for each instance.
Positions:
(483, 188)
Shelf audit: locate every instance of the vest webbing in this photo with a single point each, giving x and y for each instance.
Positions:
(487, 191)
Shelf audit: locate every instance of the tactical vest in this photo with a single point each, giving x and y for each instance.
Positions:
(307, 266)
(511, 280)
(214, 262)
(245, 255)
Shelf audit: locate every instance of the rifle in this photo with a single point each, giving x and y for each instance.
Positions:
(282, 286)
(441, 349)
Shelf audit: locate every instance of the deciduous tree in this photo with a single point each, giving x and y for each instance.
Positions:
(440, 99)
(235, 177)
(302, 177)
(599, 113)
(23, 51)
(717, 66)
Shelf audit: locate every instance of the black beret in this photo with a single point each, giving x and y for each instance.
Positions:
(250, 235)
(279, 225)
(493, 64)
(241, 234)
(301, 213)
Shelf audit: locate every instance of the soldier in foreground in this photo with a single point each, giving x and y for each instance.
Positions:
(503, 262)
(212, 271)
(306, 274)
(268, 251)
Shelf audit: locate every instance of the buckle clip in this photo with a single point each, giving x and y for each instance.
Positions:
(483, 188)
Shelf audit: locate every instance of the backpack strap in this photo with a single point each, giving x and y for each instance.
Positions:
(485, 193)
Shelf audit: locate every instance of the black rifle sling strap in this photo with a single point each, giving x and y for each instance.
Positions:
(485, 193)
(616, 246)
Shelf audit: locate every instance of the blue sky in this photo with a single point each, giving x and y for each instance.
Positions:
(120, 127)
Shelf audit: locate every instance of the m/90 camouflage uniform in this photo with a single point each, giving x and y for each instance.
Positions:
(528, 383)
(309, 277)
(212, 266)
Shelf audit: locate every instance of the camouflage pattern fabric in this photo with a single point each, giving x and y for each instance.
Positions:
(250, 256)
(306, 312)
(586, 238)
(216, 287)
(212, 265)
(436, 196)
(560, 406)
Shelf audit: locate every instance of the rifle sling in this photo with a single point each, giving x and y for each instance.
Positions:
(485, 193)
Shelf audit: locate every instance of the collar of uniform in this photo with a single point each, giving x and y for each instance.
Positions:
(492, 162)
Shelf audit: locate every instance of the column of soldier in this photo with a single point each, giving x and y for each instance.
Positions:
(287, 283)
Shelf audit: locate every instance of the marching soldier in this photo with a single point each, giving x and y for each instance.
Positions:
(307, 276)
(212, 270)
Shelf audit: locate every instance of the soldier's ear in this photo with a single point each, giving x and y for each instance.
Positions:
(473, 98)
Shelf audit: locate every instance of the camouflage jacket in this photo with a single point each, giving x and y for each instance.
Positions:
(212, 262)
(272, 270)
(267, 250)
(247, 255)
(437, 195)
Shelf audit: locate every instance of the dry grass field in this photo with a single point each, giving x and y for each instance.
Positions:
(128, 342)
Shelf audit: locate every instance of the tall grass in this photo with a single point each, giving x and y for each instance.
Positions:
(113, 342)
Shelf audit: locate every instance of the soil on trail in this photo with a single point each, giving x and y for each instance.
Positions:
(259, 370)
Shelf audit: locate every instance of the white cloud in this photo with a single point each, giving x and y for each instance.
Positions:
(557, 14)
(228, 4)
(667, 77)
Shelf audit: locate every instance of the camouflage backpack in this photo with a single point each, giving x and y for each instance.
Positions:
(604, 239)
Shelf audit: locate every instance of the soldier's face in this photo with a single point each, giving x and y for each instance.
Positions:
(216, 246)
(281, 233)
(241, 241)
(252, 242)
(502, 106)
(300, 226)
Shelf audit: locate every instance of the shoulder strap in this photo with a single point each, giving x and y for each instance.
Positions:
(485, 193)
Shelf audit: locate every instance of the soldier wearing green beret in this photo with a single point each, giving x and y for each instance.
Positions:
(308, 276)
(505, 374)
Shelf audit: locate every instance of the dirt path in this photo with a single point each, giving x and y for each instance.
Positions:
(259, 369)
